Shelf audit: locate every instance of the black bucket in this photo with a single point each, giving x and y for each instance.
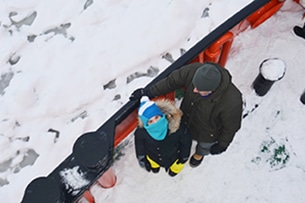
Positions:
(92, 150)
(302, 98)
(43, 189)
(270, 71)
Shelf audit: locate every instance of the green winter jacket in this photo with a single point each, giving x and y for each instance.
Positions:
(209, 119)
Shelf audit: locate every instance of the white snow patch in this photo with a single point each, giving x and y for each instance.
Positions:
(74, 179)
(273, 69)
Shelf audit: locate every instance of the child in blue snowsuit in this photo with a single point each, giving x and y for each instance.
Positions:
(161, 140)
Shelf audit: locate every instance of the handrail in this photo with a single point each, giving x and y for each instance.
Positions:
(218, 52)
(130, 106)
(109, 127)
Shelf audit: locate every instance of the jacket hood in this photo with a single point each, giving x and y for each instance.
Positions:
(172, 113)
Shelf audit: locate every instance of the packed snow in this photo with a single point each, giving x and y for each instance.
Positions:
(67, 67)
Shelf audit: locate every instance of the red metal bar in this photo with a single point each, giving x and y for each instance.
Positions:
(265, 12)
(218, 52)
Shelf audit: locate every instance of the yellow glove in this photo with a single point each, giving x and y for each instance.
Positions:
(176, 167)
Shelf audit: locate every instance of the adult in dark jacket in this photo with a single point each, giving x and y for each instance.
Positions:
(212, 105)
(160, 139)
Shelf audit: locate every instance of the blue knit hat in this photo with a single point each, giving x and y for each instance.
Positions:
(148, 109)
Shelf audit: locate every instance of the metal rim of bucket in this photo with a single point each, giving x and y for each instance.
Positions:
(268, 59)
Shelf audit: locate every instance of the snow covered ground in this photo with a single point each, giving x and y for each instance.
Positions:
(265, 163)
(62, 64)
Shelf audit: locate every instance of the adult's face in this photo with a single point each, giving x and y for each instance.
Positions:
(202, 93)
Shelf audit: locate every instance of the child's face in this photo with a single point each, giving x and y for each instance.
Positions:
(153, 119)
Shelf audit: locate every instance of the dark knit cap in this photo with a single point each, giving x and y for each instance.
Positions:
(207, 77)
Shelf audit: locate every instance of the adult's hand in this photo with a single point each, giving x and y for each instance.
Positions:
(138, 93)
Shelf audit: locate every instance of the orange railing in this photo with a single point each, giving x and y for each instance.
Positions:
(262, 14)
(215, 48)
(218, 52)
